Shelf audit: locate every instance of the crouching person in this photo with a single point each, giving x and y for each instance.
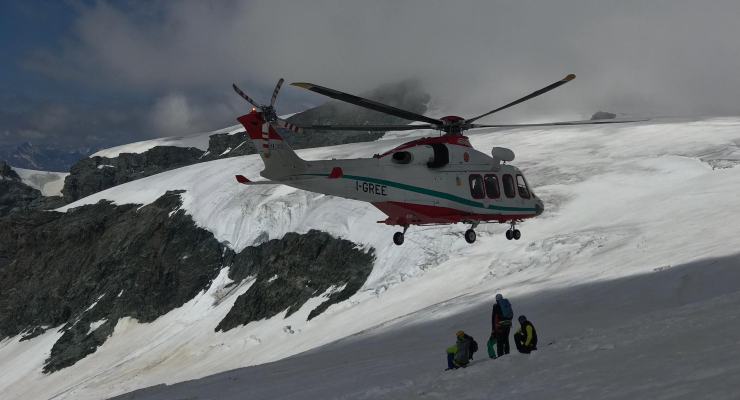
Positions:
(461, 353)
(526, 337)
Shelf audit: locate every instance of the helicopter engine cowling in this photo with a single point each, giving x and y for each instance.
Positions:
(415, 155)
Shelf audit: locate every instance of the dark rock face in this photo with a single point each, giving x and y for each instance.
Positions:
(292, 270)
(16, 196)
(7, 172)
(223, 145)
(603, 115)
(91, 175)
(127, 262)
(95, 264)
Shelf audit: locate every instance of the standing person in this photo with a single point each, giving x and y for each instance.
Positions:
(501, 317)
(461, 353)
(525, 338)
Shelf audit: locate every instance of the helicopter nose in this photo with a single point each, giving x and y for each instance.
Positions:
(539, 207)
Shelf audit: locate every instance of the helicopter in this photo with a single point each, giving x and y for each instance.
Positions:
(437, 180)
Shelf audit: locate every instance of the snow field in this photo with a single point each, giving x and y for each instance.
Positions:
(619, 200)
(667, 334)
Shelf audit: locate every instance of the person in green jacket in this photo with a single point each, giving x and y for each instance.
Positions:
(461, 353)
(526, 337)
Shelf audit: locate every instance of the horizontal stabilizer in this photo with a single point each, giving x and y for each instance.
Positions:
(244, 181)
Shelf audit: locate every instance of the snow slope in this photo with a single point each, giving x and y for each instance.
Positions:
(49, 183)
(620, 200)
(666, 334)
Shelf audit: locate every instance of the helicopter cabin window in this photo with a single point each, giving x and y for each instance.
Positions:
(521, 186)
(509, 188)
(476, 186)
(491, 184)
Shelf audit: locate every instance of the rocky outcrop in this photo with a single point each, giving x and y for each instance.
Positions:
(91, 175)
(85, 269)
(16, 196)
(99, 262)
(603, 115)
(290, 271)
(7, 172)
(223, 145)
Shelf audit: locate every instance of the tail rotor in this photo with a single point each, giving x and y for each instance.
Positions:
(268, 111)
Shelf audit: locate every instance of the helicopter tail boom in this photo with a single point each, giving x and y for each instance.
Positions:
(279, 158)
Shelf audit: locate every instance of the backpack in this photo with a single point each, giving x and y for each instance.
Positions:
(473, 347)
(506, 311)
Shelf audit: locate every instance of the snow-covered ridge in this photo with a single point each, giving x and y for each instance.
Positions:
(619, 200)
(198, 140)
(48, 183)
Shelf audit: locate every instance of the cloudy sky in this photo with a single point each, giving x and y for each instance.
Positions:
(97, 73)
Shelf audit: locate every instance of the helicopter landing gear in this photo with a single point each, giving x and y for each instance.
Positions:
(398, 236)
(513, 233)
(470, 235)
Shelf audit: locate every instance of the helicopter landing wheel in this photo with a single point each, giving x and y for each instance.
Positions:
(398, 238)
(509, 234)
(470, 236)
(516, 234)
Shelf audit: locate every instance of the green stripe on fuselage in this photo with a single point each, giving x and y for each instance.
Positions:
(429, 192)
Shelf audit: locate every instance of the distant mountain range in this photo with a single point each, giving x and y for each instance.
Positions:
(42, 158)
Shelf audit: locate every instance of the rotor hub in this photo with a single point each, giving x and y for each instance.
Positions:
(452, 125)
(269, 114)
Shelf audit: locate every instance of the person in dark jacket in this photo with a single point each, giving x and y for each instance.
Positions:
(525, 338)
(461, 353)
(501, 325)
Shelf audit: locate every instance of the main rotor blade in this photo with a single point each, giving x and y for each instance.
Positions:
(275, 92)
(370, 104)
(244, 96)
(587, 122)
(536, 93)
(376, 128)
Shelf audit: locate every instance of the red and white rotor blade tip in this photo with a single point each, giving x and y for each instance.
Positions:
(287, 125)
(245, 97)
(275, 92)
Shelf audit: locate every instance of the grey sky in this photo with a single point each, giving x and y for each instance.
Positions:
(174, 61)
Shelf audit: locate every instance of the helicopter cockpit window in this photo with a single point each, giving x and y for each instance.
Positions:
(521, 185)
(491, 184)
(476, 186)
(509, 188)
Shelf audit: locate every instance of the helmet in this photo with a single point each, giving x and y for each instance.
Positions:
(499, 296)
(460, 333)
(522, 318)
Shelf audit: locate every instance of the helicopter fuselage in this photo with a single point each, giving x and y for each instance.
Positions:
(436, 180)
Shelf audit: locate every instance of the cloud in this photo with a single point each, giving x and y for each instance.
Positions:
(172, 115)
(676, 57)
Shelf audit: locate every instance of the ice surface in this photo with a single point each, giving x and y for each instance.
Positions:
(48, 183)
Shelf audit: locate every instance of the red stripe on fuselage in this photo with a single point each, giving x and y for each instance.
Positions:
(419, 214)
